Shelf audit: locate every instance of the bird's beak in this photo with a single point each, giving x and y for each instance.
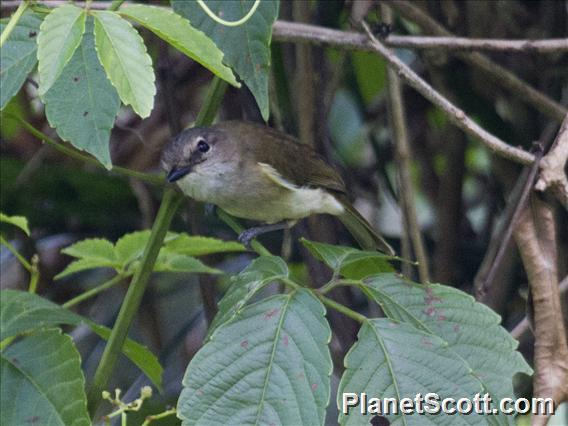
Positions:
(178, 173)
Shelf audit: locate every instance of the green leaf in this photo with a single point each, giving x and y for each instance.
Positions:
(173, 262)
(42, 382)
(179, 33)
(350, 262)
(371, 74)
(18, 56)
(92, 248)
(246, 47)
(244, 286)
(128, 66)
(59, 36)
(82, 104)
(199, 246)
(392, 360)
(23, 312)
(460, 321)
(83, 265)
(131, 246)
(269, 365)
(18, 221)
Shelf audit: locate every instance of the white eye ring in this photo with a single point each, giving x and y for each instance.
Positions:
(202, 146)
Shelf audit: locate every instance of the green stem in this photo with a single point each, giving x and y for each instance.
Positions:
(115, 4)
(13, 22)
(238, 228)
(94, 291)
(212, 101)
(134, 295)
(17, 255)
(341, 308)
(73, 153)
(170, 202)
(34, 274)
(159, 416)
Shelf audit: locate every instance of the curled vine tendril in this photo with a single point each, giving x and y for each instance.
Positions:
(221, 21)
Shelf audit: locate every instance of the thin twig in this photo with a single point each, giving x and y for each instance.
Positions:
(298, 32)
(402, 152)
(502, 76)
(455, 114)
(511, 224)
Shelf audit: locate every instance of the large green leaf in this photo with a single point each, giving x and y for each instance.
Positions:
(269, 365)
(23, 312)
(179, 33)
(350, 262)
(59, 36)
(18, 221)
(122, 53)
(82, 104)
(244, 286)
(392, 360)
(246, 47)
(18, 55)
(42, 382)
(471, 330)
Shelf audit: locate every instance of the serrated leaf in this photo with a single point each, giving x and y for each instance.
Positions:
(122, 53)
(470, 329)
(173, 262)
(244, 286)
(18, 55)
(350, 262)
(200, 246)
(269, 365)
(82, 104)
(23, 312)
(246, 47)
(44, 387)
(392, 360)
(60, 34)
(18, 221)
(131, 246)
(179, 33)
(84, 265)
(92, 248)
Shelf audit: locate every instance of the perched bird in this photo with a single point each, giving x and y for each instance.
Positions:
(255, 172)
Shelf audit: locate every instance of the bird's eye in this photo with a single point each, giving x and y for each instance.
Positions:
(202, 146)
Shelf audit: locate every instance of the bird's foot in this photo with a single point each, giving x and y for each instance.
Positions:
(246, 237)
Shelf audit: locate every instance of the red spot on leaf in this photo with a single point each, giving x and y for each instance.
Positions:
(271, 313)
(245, 344)
(430, 311)
(199, 392)
(430, 298)
(285, 340)
(426, 342)
(314, 386)
(442, 318)
(457, 328)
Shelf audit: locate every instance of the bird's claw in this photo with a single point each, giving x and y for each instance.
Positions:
(246, 237)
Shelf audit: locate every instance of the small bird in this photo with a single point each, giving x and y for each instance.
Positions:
(255, 172)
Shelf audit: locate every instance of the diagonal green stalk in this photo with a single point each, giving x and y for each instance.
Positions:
(168, 207)
(13, 22)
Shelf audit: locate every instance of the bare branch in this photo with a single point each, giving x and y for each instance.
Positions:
(535, 236)
(552, 174)
(402, 152)
(523, 326)
(501, 75)
(456, 115)
(297, 32)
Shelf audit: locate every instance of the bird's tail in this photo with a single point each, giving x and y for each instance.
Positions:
(362, 230)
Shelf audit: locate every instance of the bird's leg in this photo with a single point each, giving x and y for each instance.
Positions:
(248, 235)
